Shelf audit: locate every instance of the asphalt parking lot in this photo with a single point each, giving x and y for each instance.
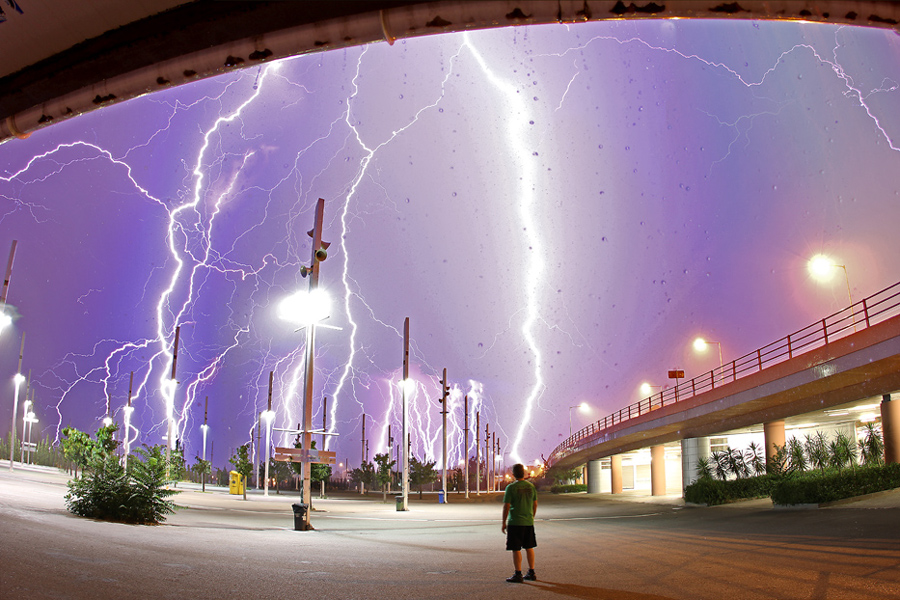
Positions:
(632, 547)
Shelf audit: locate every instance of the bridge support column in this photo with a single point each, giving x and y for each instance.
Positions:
(593, 477)
(615, 473)
(658, 470)
(774, 433)
(692, 450)
(890, 429)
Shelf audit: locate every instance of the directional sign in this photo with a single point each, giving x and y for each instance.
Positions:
(676, 374)
(302, 456)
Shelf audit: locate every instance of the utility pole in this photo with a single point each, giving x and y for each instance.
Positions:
(487, 458)
(362, 441)
(390, 446)
(496, 452)
(405, 432)
(466, 442)
(444, 398)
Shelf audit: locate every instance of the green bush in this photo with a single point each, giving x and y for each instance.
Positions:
(136, 494)
(707, 490)
(815, 488)
(568, 488)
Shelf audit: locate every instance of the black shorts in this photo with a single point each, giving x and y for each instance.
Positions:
(520, 536)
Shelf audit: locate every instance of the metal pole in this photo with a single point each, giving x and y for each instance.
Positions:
(478, 454)
(268, 431)
(18, 381)
(9, 266)
(466, 442)
(318, 254)
(170, 408)
(444, 423)
(405, 425)
(205, 428)
(362, 441)
(487, 457)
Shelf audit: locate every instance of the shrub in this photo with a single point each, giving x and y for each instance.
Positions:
(108, 491)
(572, 488)
(815, 488)
(713, 492)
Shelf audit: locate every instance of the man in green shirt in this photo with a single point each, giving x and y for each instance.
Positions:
(519, 507)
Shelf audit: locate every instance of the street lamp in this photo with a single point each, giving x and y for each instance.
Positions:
(701, 345)
(18, 379)
(26, 404)
(267, 416)
(822, 269)
(583, 407)
(31, 420)
(319, 253)
(647, 388)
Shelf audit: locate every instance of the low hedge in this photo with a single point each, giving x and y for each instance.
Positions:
(815, 488)
(810, 487)
(568, 489)
(713, 491)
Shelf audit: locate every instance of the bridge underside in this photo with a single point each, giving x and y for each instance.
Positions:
(863, 365)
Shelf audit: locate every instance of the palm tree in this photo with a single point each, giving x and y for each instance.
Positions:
(755, 459)
(872, 448)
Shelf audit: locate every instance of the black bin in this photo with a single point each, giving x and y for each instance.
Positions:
(300, 516)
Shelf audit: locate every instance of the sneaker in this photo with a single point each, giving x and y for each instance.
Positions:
(516, 578)
(530, 576)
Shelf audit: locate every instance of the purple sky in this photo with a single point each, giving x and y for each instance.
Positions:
(559, 210)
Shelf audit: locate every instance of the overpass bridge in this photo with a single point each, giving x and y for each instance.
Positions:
(847, 356)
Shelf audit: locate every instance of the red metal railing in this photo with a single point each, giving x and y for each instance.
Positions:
(871, 310)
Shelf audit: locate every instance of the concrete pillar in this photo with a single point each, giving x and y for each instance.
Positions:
(692, 450)
(615, 473)
(890, 429)
(658, 470)
(774, 433)
(593, 477)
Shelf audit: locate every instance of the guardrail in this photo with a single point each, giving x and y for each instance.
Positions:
(876, 308)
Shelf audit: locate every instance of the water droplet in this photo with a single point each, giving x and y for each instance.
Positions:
(401, 96)
(480, 345)
(453, 194)
(531, 122)
(440, 110)
(535, 98)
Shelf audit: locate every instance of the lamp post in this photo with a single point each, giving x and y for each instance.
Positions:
(18, 379)
(582, 408)
(31, 420)
(205, 429)
(267, 417)
(26, 405)
(700, 345)
(404, 421)
(443, 400)
(647, 388)
(822, 269)
(313, 297)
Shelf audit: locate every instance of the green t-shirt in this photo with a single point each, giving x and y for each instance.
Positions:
(520, 495)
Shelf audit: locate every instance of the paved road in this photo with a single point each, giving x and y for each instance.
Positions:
(590, 547)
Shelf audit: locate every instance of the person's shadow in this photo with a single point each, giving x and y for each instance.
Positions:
(593, 593)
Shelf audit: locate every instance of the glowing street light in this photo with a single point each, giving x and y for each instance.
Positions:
(305, 308)
(701, 345)
(18, 379)
(31, 420)
(583, 407)
(647, 388)
(26, 405)
(822, 269)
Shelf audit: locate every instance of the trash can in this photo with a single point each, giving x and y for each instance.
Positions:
(441, 498)
(235, 483)
(399, 498)
(299, 516)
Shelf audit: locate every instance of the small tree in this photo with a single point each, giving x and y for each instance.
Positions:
(421, 473)
(704, 468)
(816, 447)
(796, 455)
(202, 468)
(385, 472)
(241, 461)
(364, 476)
(77, 447)
(177, 466)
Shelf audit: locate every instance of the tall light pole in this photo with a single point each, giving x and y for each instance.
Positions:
(18, 379)
(126, 442)
(26, 406)
(31, 420)
(205, 428)
(466, 442)
(444, 398)
(170, 404)
(308, 309)
(268, 418)
(581, 407)
(701, 345)
(405, 424)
